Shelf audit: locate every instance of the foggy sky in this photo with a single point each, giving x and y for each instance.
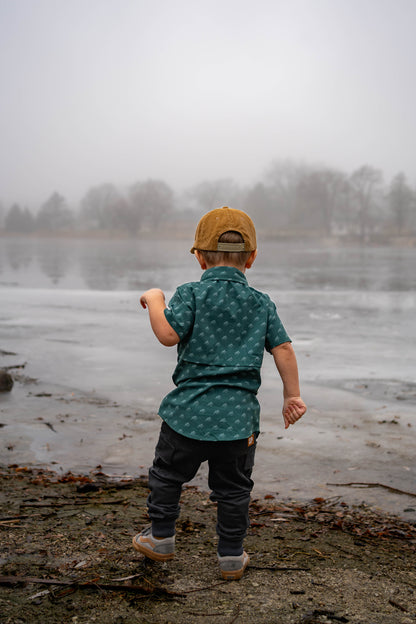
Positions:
(97, 91)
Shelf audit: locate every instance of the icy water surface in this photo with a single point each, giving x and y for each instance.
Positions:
(69, 310)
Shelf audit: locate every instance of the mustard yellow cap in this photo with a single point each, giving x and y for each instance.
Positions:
(216, 222)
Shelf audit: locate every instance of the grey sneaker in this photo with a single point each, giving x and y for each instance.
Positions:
(232, 568)
(156, 549)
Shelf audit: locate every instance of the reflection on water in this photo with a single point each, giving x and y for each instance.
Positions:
(18, 256)
(54, 260)
(137, 264)
(80, 264)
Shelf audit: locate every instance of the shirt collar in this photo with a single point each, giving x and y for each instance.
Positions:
(225, 273)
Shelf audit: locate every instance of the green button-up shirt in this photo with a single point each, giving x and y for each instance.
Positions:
(224, 327)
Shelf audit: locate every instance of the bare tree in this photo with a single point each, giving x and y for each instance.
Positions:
(54, 214)
(19, 220)
(151, 201)
(284, 178)
(212, 194)
(365, 185)
(104, 207)
(259, 204)
(321, 194)
(401, 201)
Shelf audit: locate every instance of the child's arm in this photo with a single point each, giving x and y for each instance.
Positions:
(154, 300)
(285, 360)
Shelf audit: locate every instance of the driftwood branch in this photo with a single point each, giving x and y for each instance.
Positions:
(399, 606)
(7, 368)
(373, 485)
(123, 587)
(75, 503)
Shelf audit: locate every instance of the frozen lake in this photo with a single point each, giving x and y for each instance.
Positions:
(69, 310)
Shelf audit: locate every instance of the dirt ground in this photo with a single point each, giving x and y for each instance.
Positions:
(66, 557)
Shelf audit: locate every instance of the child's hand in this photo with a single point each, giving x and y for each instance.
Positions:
(151, 294)
(293, 409)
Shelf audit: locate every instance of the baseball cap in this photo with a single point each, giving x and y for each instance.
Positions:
(221, 220)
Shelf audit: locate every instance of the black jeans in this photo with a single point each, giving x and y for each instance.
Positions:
(176, 462)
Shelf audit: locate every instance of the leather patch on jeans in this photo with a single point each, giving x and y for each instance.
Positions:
(250, 440)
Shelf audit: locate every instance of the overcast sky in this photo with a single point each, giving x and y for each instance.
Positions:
(118, 91)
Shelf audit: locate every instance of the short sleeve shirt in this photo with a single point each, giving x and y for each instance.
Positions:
(224, 327)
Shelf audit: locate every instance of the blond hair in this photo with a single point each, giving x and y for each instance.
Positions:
(236, 259)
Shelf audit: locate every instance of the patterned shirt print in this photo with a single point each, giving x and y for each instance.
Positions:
(224, 327)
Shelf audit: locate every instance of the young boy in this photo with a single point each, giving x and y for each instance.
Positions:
(221, 327)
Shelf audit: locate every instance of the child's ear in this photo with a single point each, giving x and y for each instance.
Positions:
(200, 259)
(251, 259)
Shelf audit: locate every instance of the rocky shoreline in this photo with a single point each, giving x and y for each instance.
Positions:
(66, 556)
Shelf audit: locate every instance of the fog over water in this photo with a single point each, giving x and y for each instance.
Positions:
(109, 91)
(93, 369)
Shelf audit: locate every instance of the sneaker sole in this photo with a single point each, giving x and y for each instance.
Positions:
(149, 553)
(235, 575)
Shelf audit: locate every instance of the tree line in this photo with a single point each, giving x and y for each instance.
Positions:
(291, 198)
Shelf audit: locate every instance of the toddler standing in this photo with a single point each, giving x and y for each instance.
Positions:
(222, 327)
